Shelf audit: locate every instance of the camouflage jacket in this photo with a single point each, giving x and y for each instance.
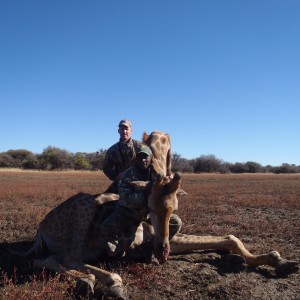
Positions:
(119, 157)
(133, 199)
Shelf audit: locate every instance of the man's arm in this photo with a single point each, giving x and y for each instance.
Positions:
(130, 196)
(109, 166)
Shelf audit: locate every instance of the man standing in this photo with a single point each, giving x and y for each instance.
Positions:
(120, 155)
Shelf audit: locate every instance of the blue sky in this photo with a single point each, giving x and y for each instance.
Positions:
(221, 77)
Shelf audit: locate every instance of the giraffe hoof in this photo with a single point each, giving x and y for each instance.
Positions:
(154, 260)
(85, 285)
(117, 292)
(286, 267)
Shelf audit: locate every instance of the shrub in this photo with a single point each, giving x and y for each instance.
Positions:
(180, 164)
(54, 158)
(209, 164)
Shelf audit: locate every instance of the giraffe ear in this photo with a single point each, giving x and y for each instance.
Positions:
(145, 137)
(181, 192)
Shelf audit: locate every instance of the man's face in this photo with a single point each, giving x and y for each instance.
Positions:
(125, 132)
(144, 160)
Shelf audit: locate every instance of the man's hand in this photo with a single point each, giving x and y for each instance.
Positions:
(170, 176)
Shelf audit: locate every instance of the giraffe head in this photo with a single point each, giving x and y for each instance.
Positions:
(162, 202)
(160, 144)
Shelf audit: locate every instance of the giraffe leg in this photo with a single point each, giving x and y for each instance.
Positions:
(181, 243)
(284, 267)
(85, 273)
(52, 263)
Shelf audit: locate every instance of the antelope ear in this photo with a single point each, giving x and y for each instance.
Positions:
(139, 185)
(181, 192)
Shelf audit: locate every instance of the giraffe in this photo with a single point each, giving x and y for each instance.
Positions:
(72, 231)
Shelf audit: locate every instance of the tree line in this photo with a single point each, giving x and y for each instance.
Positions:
(53, 158)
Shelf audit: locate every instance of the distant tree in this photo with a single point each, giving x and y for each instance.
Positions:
(6, 161)
(286, 168)
(253, 167)
(180, 164)
(238, 168)
(96, 159)
(208, 164)
(80, 161)
(55, 158)
(31, 162)
(269, 169)
(225, 168)
(19, 156)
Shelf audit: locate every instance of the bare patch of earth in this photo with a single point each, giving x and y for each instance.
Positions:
(208, 276)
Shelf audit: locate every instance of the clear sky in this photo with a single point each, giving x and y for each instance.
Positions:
(221, 77)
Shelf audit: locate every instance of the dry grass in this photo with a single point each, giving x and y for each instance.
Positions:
(41, 286)
(261, 209)
(248, 206)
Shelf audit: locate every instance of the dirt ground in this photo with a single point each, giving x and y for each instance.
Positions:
(263, 211)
